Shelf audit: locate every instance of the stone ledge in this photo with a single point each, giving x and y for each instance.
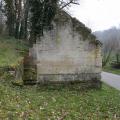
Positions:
(69, 77)
(81, 85)
(83, 80)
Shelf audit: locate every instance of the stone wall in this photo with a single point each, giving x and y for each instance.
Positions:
(63, 55)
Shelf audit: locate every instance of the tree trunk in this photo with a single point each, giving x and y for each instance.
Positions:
(117, 57)
(10, 24)
(25, 23)
(18, 5)
(106, 58)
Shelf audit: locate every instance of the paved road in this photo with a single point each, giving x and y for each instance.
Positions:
(111, 79)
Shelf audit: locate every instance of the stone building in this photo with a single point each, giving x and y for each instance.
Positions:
(68, 52)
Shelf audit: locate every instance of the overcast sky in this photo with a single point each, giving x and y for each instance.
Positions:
(97, 14)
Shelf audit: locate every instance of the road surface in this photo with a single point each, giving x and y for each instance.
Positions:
(111, 79)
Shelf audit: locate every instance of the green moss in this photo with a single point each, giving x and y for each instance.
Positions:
(30, 73)
(10, 51)
(81, 28)
(62, 17)
(11, 57)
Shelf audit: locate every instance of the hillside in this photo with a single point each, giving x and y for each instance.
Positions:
(10, 51)
(112, 33)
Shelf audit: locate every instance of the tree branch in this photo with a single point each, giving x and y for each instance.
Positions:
(68, 3)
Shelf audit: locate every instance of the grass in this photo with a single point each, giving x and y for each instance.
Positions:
(34, 103)
(38, 103)
(111, 70)
(9, 56)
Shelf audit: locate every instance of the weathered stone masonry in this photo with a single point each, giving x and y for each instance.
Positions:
(68, 52)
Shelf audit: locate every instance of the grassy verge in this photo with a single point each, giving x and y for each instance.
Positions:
(111, 70)
(10, 51)
(33, 103)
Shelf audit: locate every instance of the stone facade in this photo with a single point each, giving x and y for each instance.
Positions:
(65, 54)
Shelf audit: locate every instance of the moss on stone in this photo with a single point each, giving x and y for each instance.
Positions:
(81, 28)
(63, 18)
(30, 73)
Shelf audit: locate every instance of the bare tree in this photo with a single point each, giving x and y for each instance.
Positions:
(108, 47)
(117, 51)
(111, 46)
(25, 18)
(10, 13)
(66, 3)
(1, 16)
(17, 12)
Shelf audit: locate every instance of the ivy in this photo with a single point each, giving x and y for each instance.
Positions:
(42, 14)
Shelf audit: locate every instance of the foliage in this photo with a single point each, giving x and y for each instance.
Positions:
(112, 66)
(108, 68)
(42, 13)
(30, 102)
(115, 64)
(10, 13)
